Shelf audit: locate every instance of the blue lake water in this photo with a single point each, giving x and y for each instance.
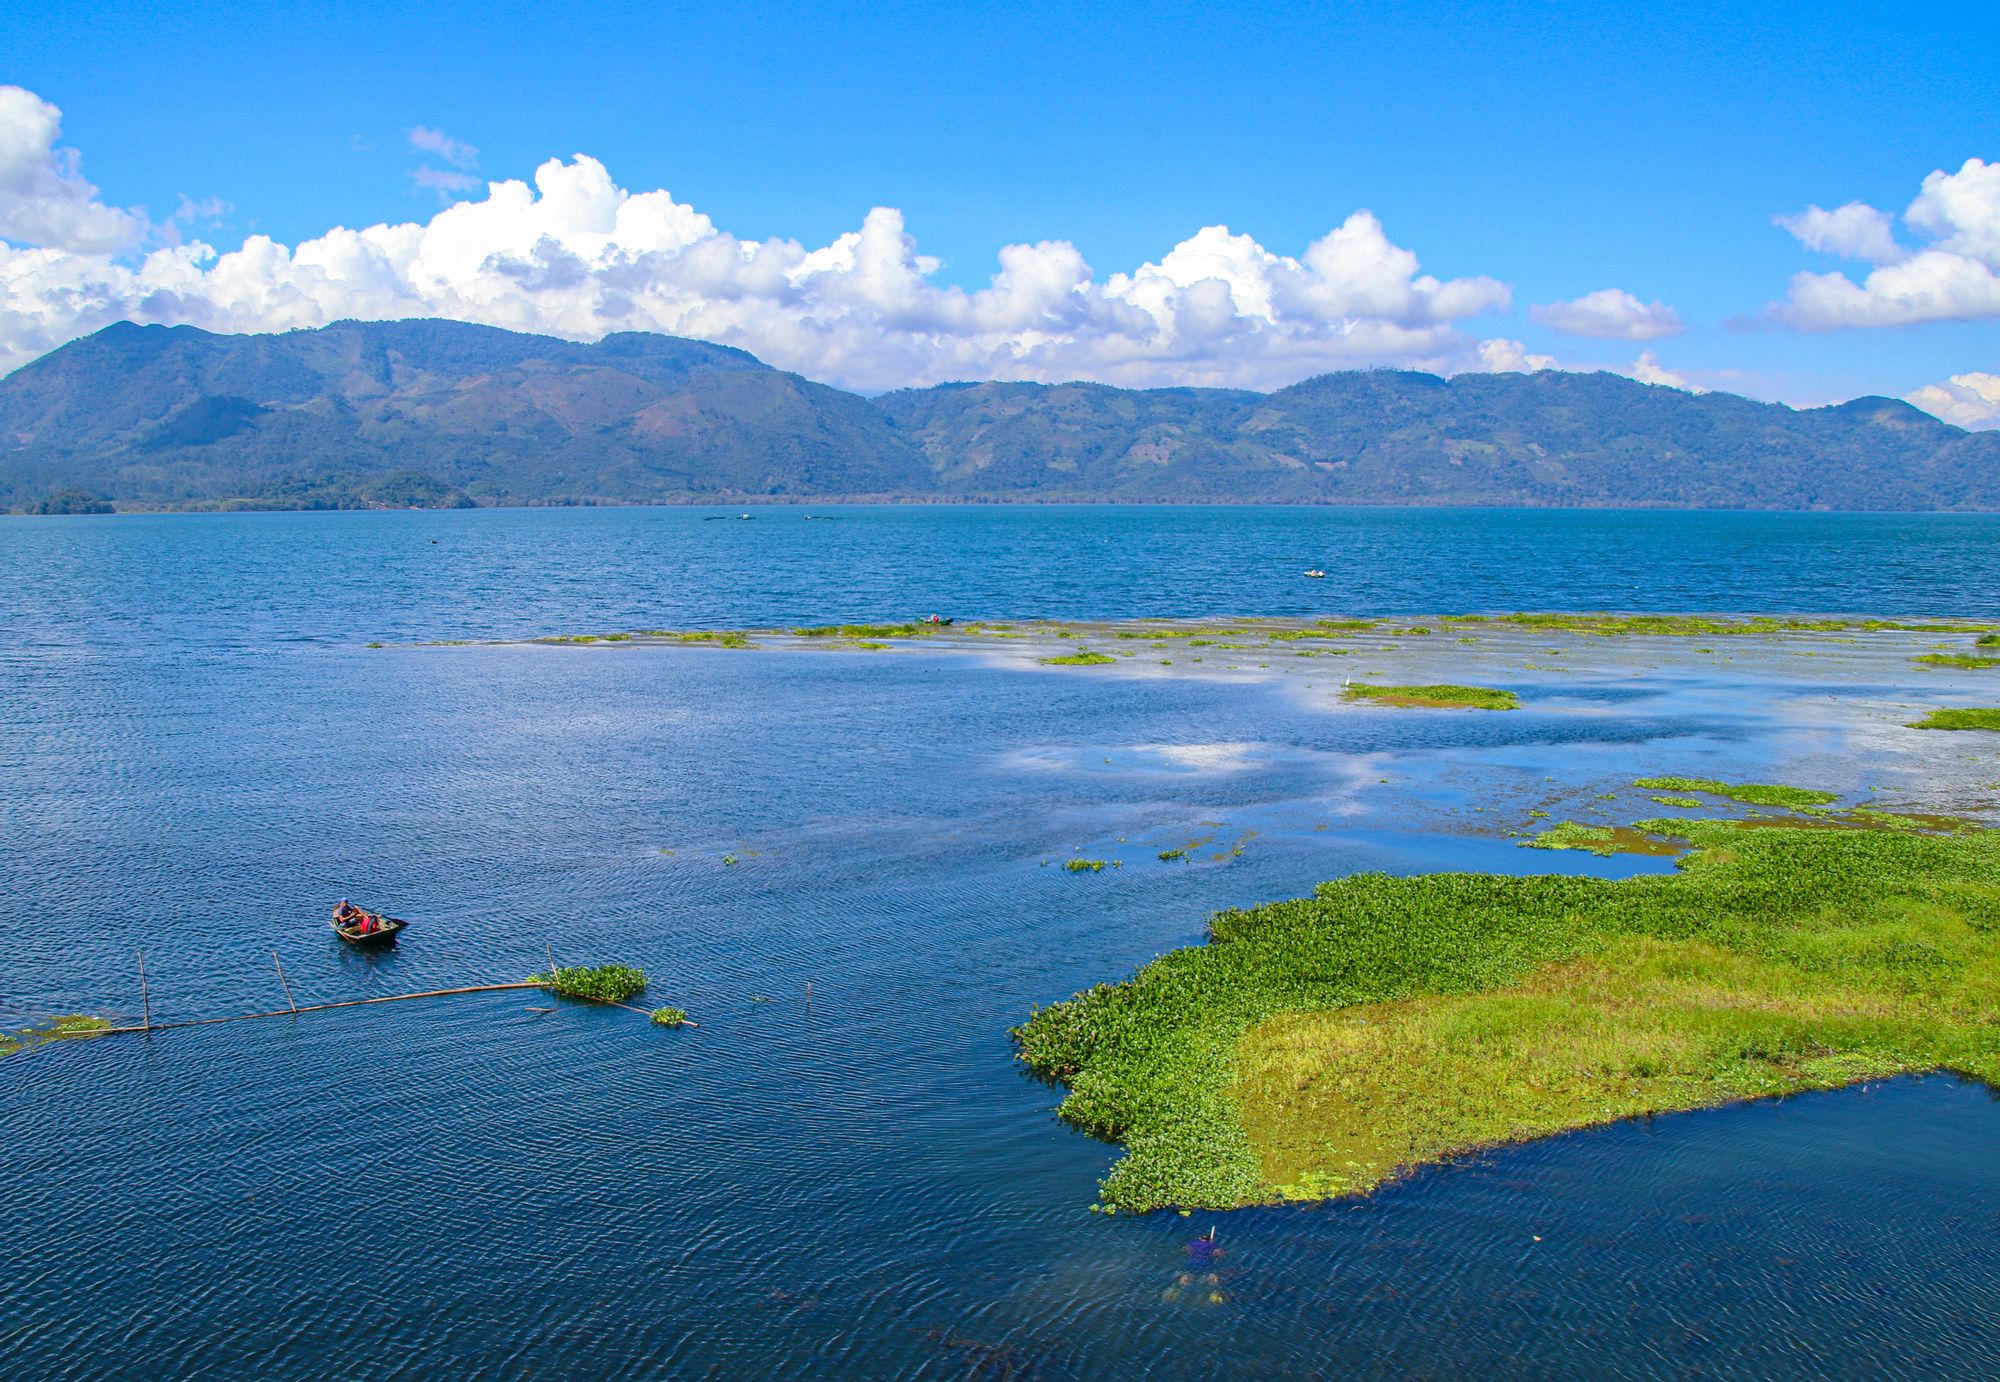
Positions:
(198, 752)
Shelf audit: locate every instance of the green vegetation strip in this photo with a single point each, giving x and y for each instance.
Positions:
(1316, 1047)
(1960, 719)
(1750, 793)
(1438, 697)
(1084, 659)
(1971, 660)
(1702, 626)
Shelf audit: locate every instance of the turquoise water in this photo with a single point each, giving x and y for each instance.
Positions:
(197, 753)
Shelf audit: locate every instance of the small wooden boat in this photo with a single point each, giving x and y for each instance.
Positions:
(363, 927)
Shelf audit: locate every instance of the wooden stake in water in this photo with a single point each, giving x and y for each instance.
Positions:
(550, 951)
(288, 988)
(145, 998)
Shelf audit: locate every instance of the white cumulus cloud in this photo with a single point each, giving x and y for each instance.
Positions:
(574, 254)
(1609, 314)
(1953, 276)
(1647, 369)
(44, 200)
(1969, 400)
(1502, 356)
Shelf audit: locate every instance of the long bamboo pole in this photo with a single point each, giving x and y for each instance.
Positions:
(315, 1007)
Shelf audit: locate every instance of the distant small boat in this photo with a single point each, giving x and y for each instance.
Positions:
(1316, 574)
(743, 516)
(359, 926)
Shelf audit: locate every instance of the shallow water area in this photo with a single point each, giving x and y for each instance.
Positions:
(864, 1183)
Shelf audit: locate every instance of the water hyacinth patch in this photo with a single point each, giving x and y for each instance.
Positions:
(599, 984)
(1318, 1046)
(1968, 718)
(1749, 793)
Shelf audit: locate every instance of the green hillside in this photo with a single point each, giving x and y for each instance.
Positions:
(435, 413)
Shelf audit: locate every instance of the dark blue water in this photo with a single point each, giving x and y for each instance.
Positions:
(236, 580)
(197, 753)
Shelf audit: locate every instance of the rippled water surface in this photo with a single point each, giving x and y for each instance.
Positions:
(198, 752)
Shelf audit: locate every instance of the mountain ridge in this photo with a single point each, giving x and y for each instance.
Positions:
(427, 412)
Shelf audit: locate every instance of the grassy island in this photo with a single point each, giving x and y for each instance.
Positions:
(1437, 697)
(1318, 1047)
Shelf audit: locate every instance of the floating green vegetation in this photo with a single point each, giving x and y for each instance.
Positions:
(670, 1017)
(1085, 866)
(599, 984)
(1167, 856)
(1414, 631)
(870, 630)
(1317, 1047)
(1970, 718)
(1082, 659)
(1684, 803)
(54, 1029)
(569, 638)
(374, 645)
(1749, 793)
(722, 638)
(1437, 697)
(1698, 625)
(1602, 839)
(1987, 640)
(1958, 660)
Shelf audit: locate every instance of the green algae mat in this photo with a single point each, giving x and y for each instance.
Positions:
(1317, 1047)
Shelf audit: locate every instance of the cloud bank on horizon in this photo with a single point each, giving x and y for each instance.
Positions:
(576, 255)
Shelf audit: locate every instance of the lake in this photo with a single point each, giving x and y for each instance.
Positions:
(199, 752)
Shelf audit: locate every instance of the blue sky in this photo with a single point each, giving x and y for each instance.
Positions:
(1558, 153)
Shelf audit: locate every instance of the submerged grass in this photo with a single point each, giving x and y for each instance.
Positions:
(1438, 697)
(1750, 793)
(1968, 718)
(1316, 1047)
(1083, 659)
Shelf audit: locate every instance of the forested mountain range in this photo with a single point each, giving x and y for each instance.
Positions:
(430, 413)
